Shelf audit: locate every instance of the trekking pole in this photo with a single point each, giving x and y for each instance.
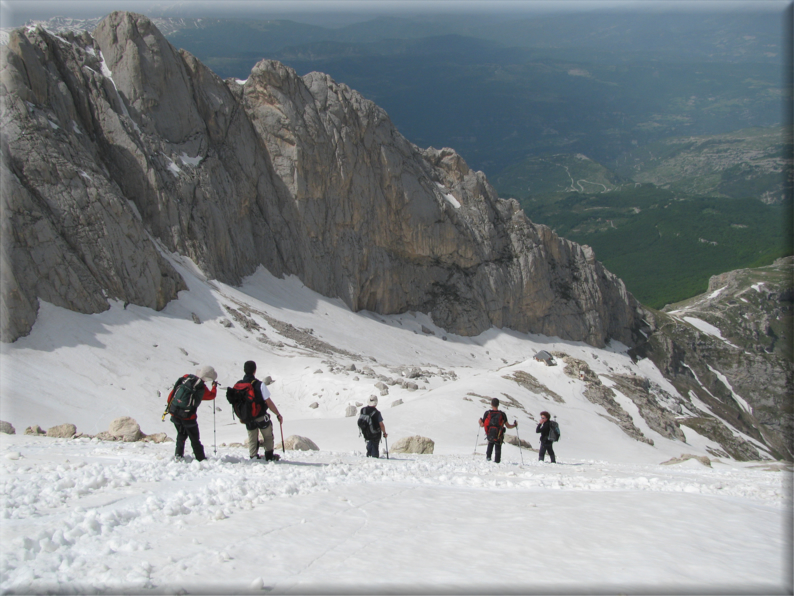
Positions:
(387, 447)
(519, 445)
(476, 440)
(283, 447)
(214, 434)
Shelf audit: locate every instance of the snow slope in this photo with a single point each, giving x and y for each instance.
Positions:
(93, 516)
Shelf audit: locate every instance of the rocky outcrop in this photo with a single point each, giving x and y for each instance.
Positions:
(7, 428)
(118, 145)
(731, 347)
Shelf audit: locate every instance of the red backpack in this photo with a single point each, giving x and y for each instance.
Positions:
(242, 397)
(494, 422)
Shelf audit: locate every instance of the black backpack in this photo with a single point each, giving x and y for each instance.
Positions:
(367, 425)
(188, 392)
(494, 424)
(554, 431)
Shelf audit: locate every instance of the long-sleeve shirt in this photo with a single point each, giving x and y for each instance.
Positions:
(543, 428)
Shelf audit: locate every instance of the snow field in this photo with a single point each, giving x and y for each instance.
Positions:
(97, 516)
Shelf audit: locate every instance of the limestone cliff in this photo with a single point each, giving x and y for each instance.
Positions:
(117, 146)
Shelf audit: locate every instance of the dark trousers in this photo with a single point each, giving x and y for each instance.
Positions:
(545, 445)
(185, 429)
(372, 448)
(498, 455)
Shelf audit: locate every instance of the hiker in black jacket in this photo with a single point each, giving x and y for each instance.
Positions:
(544, 426)
(494, 421)
(377, 419)
(262, 424)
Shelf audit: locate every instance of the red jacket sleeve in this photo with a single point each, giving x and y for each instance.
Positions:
(209, 394)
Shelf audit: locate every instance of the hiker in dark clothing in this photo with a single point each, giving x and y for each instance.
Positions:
(194, 391)
(494, 421)
(262, 424)
(544, 426)
(377, 419)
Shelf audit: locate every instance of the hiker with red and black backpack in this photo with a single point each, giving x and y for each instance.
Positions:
(259, 419)
(183, 401)
(494, 421)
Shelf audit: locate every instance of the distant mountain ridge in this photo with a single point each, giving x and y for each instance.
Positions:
(118, 146)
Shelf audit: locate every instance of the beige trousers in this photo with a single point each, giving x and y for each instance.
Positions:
(253, 439)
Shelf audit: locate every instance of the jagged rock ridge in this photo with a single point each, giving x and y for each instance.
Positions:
(732, 349)
(118, 145)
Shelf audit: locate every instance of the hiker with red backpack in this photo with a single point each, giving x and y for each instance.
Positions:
(548, 434)
(494, 421)
(260, 421)
(183, 401)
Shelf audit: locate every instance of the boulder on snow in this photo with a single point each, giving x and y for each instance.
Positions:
(7, 428)
(350, 411)
(415, 444)
(514, 440)
(314, 405)
(125, 429)
(62, 431)
(156, 438)
(298, 443)
(396, 402)
(35, 430)
(687, 456)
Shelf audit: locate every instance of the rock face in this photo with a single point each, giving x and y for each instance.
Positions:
(117, 143)
(743, 372)
(415, 444)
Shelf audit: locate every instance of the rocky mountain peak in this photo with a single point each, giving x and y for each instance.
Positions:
(118, 146)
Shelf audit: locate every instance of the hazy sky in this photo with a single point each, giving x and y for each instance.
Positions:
(14, 13)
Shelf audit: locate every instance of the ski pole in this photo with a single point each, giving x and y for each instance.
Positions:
(519, 444)
(214, 434)
(476, 440)
(283, 447)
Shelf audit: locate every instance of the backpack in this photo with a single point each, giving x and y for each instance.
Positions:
(186, 397)
(494, 424)
(366, 424)
(554, 431)
(242, 398)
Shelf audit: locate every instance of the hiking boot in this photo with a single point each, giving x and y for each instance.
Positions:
(270, 456)
(487, 459)
(257, 456)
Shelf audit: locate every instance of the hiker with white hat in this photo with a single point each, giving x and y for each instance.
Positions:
(183, 401)
(370, 422)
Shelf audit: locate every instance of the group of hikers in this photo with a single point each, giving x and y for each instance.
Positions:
(250, 399)
(494, 421)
